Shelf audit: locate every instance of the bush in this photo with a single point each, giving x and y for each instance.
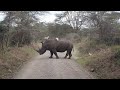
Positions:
(20, 38)
(88, 45)
(116, 51)
(74, 37)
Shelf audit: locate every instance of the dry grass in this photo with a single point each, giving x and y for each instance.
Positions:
(103, 61)
(11, 61)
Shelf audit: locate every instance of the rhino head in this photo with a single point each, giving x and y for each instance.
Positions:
(41, 51)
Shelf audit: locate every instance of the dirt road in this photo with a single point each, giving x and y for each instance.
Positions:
(41, 67)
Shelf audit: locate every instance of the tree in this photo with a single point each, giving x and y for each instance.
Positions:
(58, 30)
(106, 24)
(3, 31)
(20, 21)
(73, 18)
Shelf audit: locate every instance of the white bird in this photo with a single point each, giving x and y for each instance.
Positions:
(90, 54)
(57, 39)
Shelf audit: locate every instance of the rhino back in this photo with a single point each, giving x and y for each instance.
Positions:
(49, 44)
(60, 46)
(63, 46)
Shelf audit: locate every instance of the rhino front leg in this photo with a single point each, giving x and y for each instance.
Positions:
(51, 54)
(55, 52)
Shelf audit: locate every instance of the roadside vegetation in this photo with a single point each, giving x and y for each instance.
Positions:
(103, 61)
(12, 60)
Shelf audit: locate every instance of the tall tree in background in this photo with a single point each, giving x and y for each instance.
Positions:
(19, 24)
(74, 18)
(104, 23)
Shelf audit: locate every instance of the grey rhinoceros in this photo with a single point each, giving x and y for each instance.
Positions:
(56, 45)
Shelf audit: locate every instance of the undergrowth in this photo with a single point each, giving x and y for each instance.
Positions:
(12, 60)
(102, 60)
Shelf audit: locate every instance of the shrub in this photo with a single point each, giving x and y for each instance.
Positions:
(116, 51)
(88, 45)
(20, 38)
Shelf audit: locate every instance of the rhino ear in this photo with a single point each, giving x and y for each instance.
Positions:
(42, 42)
(46, 37)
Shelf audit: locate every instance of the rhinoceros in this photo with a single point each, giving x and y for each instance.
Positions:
(56, 45)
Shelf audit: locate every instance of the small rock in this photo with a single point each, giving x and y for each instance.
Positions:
(10, 70)
(92, 70)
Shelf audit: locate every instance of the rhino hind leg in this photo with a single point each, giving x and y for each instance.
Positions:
(66, 55)
(55, 52)
(70, 55)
